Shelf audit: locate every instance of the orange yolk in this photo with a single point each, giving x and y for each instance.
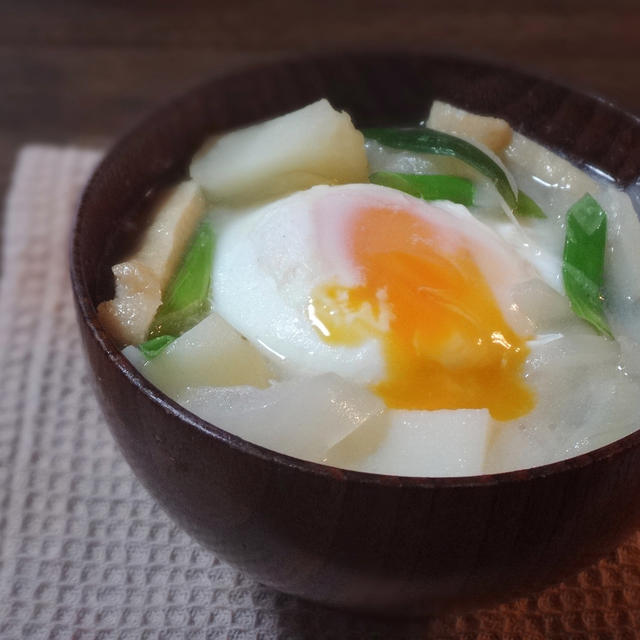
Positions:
(445, 341)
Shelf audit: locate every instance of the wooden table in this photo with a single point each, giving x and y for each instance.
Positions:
(79, 72)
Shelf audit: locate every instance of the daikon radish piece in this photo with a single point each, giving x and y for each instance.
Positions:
(212, 353)
(313, 145)
(302, 418)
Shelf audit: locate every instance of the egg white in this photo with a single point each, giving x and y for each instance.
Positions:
(269, 260)
(266, 264)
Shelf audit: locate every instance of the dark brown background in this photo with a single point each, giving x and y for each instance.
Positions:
(81, 72)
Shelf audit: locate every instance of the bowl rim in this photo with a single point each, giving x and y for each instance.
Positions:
(86, 310)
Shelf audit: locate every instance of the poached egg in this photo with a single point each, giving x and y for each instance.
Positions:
(412, 299)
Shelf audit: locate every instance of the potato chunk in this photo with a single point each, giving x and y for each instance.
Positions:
(418, 443)
(212, 354)
(494, 133)
(314, 145)
(140, 280)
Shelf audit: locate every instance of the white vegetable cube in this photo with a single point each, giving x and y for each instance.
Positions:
(520, 447)
(314, 145)
(622, 268)
(549, 179)
(211, 353)
(302, 418)
(428, 443)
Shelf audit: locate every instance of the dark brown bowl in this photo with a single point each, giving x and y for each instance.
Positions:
(362, 541)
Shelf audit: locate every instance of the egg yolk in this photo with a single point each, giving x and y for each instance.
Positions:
(445, 341)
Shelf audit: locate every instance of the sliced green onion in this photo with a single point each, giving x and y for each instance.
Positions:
(427, 187)
(186, 300)
(583, 261)
(155, 346)
(528, 207)
(425, 140)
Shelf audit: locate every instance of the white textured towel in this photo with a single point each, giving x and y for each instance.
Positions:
(84, 551)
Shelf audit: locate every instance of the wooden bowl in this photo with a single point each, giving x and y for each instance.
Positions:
(385, 544)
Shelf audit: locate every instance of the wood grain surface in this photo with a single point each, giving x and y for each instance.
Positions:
(81, 72)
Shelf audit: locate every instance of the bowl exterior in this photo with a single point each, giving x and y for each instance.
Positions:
(372, 543)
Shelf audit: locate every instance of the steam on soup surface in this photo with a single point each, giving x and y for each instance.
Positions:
(444, 300)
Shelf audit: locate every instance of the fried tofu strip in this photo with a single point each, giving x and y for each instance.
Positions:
(494, 133)
(141, 279)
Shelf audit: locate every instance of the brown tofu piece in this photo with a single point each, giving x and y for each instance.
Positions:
(493, 133)
(140, 280)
